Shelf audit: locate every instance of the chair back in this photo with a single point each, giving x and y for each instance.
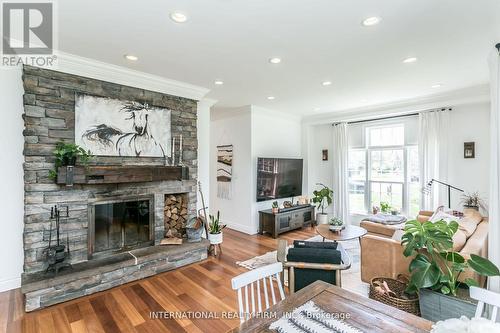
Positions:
(483, 297)
(252, 280)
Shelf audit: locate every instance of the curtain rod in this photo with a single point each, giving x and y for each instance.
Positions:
(386, 118)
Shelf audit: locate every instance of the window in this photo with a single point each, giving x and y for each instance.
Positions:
(384, 170)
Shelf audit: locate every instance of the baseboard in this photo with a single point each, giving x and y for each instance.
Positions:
(241, 227)
(10, 284)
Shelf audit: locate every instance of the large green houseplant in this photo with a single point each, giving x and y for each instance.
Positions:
(435, 265)
(322, 198)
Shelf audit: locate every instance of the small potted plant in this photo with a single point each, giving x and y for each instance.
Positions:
(275, 207)
(436, 268)
(322, 198)
(336, 224)
(385, 207)
(215, 229)
(66, 154)
(472, 201)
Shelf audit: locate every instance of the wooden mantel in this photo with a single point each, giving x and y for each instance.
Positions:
(114, 174)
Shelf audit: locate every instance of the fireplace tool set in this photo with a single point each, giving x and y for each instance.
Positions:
(57, 255)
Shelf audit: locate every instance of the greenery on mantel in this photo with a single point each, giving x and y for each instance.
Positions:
(436, 265)
(68, 154)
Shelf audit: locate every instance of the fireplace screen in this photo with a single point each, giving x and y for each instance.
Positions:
(120, 225)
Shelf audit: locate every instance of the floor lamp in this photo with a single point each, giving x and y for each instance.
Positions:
(428, 187)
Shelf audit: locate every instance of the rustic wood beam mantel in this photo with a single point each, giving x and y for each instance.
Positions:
(114, 174)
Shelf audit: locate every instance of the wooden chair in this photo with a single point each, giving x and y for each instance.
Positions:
(483, 297)
(291, 266)
(253, 278)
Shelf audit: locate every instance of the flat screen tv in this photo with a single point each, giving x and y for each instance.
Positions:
(278, 178)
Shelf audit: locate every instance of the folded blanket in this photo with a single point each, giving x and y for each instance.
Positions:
(386, 219)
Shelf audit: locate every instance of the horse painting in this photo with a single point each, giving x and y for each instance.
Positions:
(113, 128)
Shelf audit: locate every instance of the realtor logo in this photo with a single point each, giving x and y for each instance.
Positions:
(28, 33)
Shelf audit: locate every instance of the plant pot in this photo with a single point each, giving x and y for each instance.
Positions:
(69, 160)
(275, 210)
(436, 306)
(322, 218)
(215, 238)
(476, 208)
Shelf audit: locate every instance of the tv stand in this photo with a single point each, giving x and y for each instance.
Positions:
(286, 219)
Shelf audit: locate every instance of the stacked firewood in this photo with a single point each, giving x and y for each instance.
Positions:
(176, 215)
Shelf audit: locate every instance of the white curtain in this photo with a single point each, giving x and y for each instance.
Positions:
(432, 149)
(340, 173)
(494, 197)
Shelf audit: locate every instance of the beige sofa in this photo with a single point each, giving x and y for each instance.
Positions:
(382, 256)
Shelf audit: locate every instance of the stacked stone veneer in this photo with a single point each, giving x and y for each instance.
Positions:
(49, 116)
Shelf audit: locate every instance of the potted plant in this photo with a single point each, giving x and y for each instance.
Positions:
(336, 224)
(66, 154)
(275, 207)
(436, 268)
(472, 201)
(322, 199)
(385, 207)
(215, 229)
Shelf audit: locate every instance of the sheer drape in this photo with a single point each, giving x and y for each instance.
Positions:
(340, 172)
(432, 149)
(494, 204)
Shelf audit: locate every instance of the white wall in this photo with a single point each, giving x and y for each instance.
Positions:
(320, 171)
(203, 128)
(11, 178)
(469, 123)
(233, 127)
(274, 134)
(254, 132)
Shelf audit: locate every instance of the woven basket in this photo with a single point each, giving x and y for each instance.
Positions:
(398, 287)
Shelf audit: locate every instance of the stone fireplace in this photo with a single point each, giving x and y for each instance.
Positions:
(113, 229)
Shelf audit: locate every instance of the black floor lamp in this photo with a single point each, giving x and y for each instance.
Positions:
(428, 187)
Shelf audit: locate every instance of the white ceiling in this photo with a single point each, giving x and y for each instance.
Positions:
(318, 40)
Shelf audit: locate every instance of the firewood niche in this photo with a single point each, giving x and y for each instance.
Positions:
(114, 174)
(175, 215)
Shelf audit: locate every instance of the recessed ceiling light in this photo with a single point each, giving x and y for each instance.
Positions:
(326, 83)
(317, 109)
(369, 21)
(409, 60)
(131, 57)
(219, 82)
(437, 85)
(270, 98)
(178, 17)
(275, 60)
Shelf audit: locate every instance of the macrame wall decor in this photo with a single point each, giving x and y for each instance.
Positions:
(224, 171)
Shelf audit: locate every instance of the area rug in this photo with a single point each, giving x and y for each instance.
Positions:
(351, 278)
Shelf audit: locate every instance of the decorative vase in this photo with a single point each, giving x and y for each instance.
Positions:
(215, 238)
(322, 218)
(275, 210)
(436, 306)
(466, 208)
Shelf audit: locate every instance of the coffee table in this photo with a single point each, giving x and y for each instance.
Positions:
(348, 233)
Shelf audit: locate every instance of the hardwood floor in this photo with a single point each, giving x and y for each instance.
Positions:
(204, 286)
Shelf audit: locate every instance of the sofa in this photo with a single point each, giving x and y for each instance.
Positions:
(382, 252)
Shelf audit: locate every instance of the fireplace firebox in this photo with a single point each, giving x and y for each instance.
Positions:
(120, 225)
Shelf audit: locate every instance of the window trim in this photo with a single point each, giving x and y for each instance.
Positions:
(406, 183)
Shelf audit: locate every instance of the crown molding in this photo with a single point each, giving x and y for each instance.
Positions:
(470, 95)
(73, 64)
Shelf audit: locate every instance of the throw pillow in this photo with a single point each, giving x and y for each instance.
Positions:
(469, 222)
(440, 215)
